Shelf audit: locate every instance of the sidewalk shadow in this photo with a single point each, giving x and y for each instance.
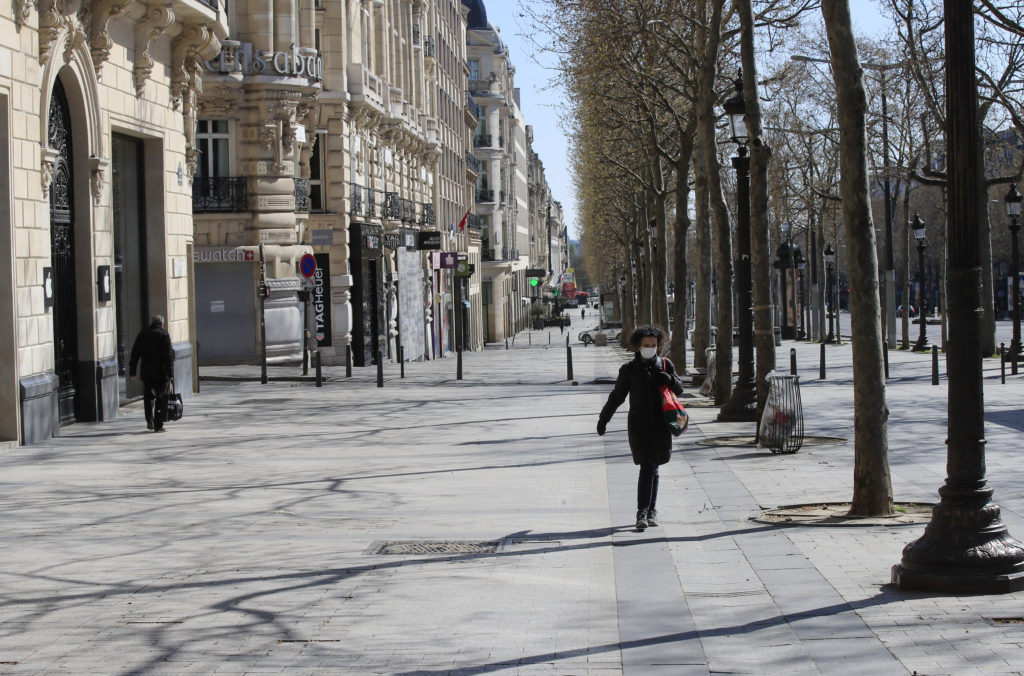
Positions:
(1011, 419)
(884, 597)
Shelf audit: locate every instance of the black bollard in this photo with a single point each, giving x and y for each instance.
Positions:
(792, 361)
(401, 360)
(380, 368)
(506, 343)
(458, 364)
(821, 363)
(549, 337)
(568, 363)
(348, 361)
(567, 341)
(529, 337)
(1002, 363)
(305, 354)
(935, 363)
(319, 370)
(885, 358)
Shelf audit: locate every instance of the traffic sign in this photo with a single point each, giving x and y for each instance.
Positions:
(307, 265)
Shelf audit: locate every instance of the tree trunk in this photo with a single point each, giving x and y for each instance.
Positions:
(905, 296)
(872, 487)
(659, 241)
(723, 262)
(702, 291)
(760, 251)
(819, 259)
(681, 278)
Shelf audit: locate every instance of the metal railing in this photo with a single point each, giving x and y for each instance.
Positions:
(428, 46)
(484, 195)
(408, 209)
(472, 162)
(415, 35)
(301, 193)
(371, 203)
(224, 194)
(212, 4)
(502, 196)
(482, 140)
(428, 214)
(474, 222)
(474, 107)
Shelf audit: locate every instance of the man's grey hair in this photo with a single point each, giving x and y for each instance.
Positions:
(157, 320)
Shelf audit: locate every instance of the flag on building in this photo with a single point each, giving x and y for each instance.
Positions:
(462, 223)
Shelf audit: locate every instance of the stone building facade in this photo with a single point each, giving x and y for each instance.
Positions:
(97, 137)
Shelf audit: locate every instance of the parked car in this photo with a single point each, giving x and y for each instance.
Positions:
(899, 311)
(611, 330)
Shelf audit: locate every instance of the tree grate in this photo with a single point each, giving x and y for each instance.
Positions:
(433, 547)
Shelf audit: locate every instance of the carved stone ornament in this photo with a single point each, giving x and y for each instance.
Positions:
(268, 136)
(52, 21)
(217, 102)
(98, 177)
(22, 10)
(100, 41)
(191, 163)
(49, 159)
(158, 18)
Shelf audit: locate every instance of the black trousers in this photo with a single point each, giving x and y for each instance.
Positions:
(647, 487)
(154, 403)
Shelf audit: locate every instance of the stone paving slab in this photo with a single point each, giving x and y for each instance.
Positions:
(237, 542)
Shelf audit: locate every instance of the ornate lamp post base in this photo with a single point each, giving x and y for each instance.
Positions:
(922, 344)
(742, 406)
(965, 549)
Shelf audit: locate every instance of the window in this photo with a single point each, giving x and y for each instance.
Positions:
(474, 69)
(316, 194)
(213, 140)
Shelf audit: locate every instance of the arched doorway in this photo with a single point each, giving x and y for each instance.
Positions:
(62, 253)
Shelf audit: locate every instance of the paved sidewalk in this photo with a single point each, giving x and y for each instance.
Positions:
(247, 538)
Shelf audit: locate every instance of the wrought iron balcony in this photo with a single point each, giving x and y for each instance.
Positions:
(472, 162)
(484, 195)
(482, 141)
(219, 194)
(474, 107)
(428, 214)
(301, 195)
(408, 210)
(415, 35)
(212, 4)
(474, 222)
(428, 46)
(371, 203)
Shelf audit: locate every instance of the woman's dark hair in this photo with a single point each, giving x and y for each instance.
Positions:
(642, 332)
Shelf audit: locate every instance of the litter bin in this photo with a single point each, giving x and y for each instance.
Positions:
(782, 423)
(600, 339)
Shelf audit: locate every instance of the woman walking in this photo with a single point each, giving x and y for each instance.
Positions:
(650, 440)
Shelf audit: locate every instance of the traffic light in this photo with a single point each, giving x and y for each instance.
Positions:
(534, 281)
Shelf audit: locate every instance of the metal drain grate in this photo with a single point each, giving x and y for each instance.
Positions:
(1008, 620)
(433, 547)
(264, 402)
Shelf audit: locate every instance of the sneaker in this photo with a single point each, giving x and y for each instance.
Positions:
(641, 520)
(149, 426)
(652, 517)
(159, 429)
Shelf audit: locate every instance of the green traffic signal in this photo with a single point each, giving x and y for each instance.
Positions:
(534, 281)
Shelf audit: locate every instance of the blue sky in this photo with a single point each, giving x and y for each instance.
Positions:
(542, 103)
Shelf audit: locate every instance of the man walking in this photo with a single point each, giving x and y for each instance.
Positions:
(153, 346)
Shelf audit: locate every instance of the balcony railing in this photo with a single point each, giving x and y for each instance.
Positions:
(356, 200)
(428, 214)
(371, 203)
(428, 46)
(484, 195)
(301, 195)
(212, 4)
(474, 222)
(219, 194)
(502, 196)
(415, 35)
(472, 162)
(482, 141)
(408, 210)
(474, 107)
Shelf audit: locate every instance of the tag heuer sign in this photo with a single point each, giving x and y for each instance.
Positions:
(392, 241)
(429, 240)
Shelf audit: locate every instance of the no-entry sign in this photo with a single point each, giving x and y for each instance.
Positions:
(307, 265)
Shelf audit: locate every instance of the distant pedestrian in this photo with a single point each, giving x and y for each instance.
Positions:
(650, 440)
(583, 313)
(153, 346)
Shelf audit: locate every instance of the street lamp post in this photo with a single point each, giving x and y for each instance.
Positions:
(784, 263)
(966, 548)
(742, 405)
(1013, 200)
(830, 259)
(919, 234)
(798, 294)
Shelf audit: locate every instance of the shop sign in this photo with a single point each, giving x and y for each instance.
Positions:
(372, 241)
(223, 255)
(409, 239)
(449, 260)
(392, 241)
(429, 240)
(296, 62)
(321, 299)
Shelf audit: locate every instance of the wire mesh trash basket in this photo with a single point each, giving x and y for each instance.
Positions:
(707, 388)
(782, 423)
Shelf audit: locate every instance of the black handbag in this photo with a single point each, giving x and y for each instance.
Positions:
(173, 406)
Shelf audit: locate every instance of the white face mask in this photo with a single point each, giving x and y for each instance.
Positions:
(648, 352)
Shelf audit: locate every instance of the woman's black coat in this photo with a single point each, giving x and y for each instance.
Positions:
(650, 440)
